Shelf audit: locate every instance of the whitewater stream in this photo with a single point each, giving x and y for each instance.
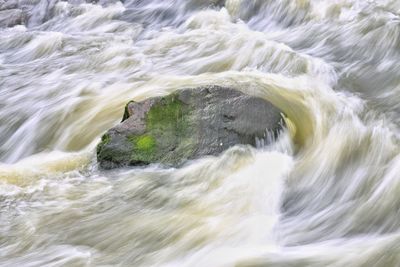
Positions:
(326, 192)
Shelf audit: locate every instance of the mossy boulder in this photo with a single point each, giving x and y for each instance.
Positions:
(186, 124)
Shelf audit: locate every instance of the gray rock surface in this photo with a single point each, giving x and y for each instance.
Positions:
(186, 124)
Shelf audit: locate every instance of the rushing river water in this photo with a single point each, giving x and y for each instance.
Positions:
(326, 193)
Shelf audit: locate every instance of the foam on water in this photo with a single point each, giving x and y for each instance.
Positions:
(325, 193)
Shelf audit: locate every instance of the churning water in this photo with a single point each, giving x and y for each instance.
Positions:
(326, 193)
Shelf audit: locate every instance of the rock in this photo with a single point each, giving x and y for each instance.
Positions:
(11, 17)
(186, 124)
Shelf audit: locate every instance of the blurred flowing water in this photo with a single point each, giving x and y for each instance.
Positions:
(326, 193)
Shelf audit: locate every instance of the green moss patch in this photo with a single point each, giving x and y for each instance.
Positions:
(105, 139)
(144, 148)
(168, 113)
(145, 143)
(167, 126)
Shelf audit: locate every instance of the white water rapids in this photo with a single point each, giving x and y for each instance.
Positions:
(326, 193)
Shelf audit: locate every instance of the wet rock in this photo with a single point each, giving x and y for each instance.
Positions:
(186, 124)
(11, 17)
